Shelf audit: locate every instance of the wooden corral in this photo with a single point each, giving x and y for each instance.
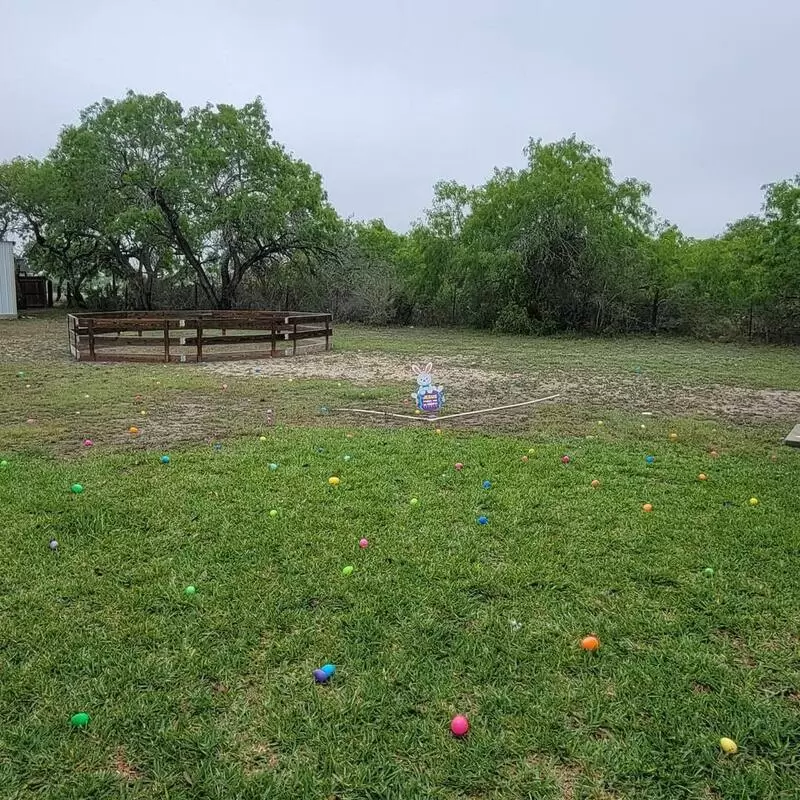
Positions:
(195, 336)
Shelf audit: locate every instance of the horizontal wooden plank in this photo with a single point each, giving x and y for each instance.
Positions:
(253, 355)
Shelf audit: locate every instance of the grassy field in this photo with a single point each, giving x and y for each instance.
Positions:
(211, 695)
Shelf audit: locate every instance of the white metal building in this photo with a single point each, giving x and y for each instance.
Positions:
(8, 283)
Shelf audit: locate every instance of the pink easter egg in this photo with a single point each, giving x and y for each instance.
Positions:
(459, 725)
(363, 543)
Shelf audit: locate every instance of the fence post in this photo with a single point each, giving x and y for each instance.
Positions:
(166, 341)
(199, 343)
(294, 340)
(90, 325)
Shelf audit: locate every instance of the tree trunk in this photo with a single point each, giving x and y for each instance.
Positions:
(654, 312)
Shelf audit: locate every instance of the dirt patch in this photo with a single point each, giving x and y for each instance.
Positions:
(475, 386)
(124, 769)
(471, 381)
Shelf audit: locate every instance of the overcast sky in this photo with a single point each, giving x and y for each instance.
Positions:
(384, 98)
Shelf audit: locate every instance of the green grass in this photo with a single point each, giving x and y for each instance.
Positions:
(668, 359)
(212, 695)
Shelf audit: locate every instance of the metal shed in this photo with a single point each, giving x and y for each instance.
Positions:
(8, 282)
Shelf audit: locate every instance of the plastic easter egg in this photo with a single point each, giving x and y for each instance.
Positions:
(600, 423)
(438, 431)
(324, 673)
(729, 747)
(273, 466)
(80, 720)
(143, 413)
(483, 520)
(673, 437)
(595, 484)
(189, 590)
(273, 512)
(714, 454)
(88, 443)
(647, 508)
(531, 451)
(3, 464)
(459, 726)
(590, 643)
(363, 543)
(650, 459)
(262, 438)
(565, 459)
(458, 466)
(753, 501)
(165, 459)
(414, 501)
(346, 458)
(487, 484)
(708, 572)
(702, 477)
(133, 430)
(76, 488)
(20, 374)
(348, 570)
(53, 544)
(524, 459)
(334, 481)
(224, 386)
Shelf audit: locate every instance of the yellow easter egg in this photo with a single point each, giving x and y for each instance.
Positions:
(729, 747)
(753, 501)
(333, 480)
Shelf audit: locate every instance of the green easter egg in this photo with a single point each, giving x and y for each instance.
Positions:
(347, 570)
(80, 720)
(76, 488)
(273, 512)
(3, 464)
(190, 590)
(708, 572)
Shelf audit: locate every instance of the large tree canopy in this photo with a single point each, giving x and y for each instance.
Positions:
(145, 187)
(143, 203)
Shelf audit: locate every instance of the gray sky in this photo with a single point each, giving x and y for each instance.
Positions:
(384, 98)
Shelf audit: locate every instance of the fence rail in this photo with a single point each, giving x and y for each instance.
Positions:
(196, 336)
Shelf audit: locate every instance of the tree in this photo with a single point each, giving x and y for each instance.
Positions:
(227, 198)
(141, 189)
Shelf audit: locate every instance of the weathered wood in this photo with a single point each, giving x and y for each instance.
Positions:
(166, 341)
(91, 340)
(106, 331)
(793, 437)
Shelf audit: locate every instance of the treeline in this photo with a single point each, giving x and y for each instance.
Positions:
(143, 204)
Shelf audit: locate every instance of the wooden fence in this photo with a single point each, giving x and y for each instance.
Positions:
(195, 336)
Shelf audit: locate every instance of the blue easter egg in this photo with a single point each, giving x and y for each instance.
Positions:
(487, 484)
(483, 520)
(650, 459)
(324, 673)
(165, 459)
(273, 467)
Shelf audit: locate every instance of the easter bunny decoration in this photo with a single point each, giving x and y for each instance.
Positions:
(427, 397)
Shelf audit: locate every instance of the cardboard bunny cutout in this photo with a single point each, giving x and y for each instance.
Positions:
(427, 397)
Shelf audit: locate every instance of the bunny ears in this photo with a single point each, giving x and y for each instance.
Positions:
(415, 368)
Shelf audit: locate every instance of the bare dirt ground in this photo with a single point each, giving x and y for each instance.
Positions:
(43, 340)
(471, 386)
